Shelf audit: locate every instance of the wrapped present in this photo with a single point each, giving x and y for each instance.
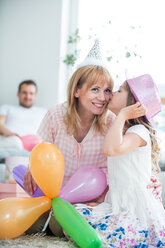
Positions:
(11, 190)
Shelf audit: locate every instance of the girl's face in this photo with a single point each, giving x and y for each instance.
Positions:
(93, 101)
(118, 100)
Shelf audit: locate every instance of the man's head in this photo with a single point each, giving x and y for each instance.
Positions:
(27, 93)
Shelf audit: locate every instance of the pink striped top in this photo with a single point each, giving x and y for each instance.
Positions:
(86, 153)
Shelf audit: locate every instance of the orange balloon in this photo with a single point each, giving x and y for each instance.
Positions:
(18, 214)
(47, 168)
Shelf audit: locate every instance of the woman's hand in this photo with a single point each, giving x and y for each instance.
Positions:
(157, 188)
(133, 111)
(100, 199)
(29, 184)
(93, 204)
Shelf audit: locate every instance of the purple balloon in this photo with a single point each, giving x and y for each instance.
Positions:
(18, 174)
(86, 184)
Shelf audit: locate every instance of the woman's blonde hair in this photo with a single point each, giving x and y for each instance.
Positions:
(88, 75)
(155, 150)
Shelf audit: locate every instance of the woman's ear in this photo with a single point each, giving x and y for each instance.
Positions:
(76, 93)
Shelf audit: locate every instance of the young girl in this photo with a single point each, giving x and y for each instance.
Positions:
(131, 216)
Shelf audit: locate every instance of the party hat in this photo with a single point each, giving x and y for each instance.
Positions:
(146, 92)
(93, 57)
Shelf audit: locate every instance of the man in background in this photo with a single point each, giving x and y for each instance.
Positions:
(23, 119)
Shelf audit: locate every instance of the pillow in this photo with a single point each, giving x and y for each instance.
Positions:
(10, 142)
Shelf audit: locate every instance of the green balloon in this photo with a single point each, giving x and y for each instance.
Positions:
(75, 225)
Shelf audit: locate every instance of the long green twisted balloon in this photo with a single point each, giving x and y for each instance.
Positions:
(75, 225)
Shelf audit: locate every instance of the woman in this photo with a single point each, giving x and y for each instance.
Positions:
(78, 126)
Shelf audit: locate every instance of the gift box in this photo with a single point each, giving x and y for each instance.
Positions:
(11, 163)
(11, 190)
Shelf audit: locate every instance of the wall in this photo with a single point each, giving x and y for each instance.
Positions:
(31, 34)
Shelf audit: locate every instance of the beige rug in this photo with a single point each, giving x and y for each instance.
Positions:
(37, 241)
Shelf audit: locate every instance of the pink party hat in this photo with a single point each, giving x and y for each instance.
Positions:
(146, 92)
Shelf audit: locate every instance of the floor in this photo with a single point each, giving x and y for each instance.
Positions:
(37, 241)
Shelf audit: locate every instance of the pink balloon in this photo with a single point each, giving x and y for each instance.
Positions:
(86, 184)
(30, 141)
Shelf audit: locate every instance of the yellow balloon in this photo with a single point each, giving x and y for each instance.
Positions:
(18, 214)
(47, 168)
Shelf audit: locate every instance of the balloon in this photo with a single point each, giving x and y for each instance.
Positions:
(18, 214)
(18, 175)
(75, 225)
(30, 141)
(86, 184)
(47, 168)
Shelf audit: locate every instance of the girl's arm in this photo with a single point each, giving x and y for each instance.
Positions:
(115, 142)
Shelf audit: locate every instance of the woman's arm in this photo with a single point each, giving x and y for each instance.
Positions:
(45, 133)
(100, 199)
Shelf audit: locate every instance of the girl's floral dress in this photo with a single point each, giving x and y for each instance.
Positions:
(130, 215)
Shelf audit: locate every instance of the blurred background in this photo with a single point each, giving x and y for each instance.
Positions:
(42, 39)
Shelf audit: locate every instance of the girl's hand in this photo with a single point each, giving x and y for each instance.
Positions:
(157, 188)
(29, 184)
(133, 111)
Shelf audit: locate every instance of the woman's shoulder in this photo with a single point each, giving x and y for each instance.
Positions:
(57, 112)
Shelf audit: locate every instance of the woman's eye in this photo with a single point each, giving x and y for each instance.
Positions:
(108, 91)
(94, 89)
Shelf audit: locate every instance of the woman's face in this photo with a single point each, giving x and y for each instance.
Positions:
(119, 99)
(93, 101)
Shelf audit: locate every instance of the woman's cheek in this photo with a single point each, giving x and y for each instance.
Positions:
(108, 98)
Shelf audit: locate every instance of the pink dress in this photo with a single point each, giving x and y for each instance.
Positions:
(76, 155)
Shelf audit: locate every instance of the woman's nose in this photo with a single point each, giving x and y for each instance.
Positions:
(102, 96)
(111, 95)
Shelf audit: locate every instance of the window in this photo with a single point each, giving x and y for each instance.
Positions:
(131, 34)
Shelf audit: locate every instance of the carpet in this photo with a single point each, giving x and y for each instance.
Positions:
(37, 241)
